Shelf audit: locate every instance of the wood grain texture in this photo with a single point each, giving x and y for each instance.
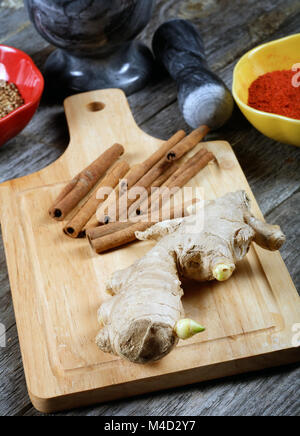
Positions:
(229, 28)
(57, 287)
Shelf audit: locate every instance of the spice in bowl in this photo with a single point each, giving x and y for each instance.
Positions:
(10, 98)
(276, 93)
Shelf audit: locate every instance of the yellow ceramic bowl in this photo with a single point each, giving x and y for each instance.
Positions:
(282, 54)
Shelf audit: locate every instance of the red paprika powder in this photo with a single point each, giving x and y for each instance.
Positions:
(277, 92)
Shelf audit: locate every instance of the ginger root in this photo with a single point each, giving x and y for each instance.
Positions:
(144, 319)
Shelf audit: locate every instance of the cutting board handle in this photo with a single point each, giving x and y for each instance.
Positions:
(96, 120)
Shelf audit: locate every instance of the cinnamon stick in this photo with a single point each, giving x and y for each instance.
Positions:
(159, 154)
(157, 184)
(187, 144)
(183, 147)
(123, 236)
(183, 175)
(82, 184)
(108, 229)
(133, 176)
(75, 227)
(119, 238)
(94, 222)
(129, 177)
(139, 170)
(158, 175)
(190, 169)
(113, 200)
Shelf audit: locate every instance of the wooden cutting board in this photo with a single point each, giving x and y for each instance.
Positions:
(58, 283)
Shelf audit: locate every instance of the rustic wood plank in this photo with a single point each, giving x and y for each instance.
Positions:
(271, 168)
(14, 395)
(268, 393)
(12, 381)
(287, 216)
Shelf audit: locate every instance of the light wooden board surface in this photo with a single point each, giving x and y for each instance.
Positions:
(272, 170)
(58, 283)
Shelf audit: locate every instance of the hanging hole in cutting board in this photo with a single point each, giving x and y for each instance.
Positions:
(95, 106)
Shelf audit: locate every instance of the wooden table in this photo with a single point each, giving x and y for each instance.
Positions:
(229, 28)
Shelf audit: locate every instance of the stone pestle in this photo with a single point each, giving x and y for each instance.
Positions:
(203, 97)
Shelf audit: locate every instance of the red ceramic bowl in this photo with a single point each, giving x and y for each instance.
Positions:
(18, 67)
